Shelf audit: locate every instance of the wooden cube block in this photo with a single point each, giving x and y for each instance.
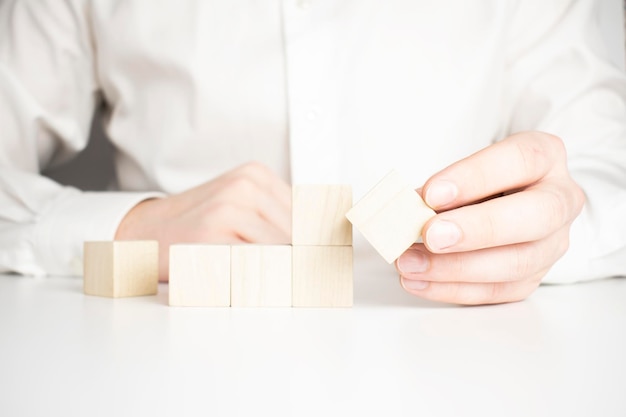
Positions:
(322, 276)
(199, 275)
(121, 268)
(319, 215)
(391, 216)
(261, 276)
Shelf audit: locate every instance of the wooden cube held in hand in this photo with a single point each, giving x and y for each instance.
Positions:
(391, 216)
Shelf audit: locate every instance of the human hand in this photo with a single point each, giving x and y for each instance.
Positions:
(248, 204)
(482, 249)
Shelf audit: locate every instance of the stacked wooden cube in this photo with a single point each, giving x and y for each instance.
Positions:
(322, 246)
(314, 271)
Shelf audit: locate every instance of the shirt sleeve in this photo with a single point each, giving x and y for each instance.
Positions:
(48, 91)
(561, 81)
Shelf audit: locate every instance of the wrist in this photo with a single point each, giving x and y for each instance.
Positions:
(136, 223)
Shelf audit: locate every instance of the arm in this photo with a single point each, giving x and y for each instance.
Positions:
(48, 91)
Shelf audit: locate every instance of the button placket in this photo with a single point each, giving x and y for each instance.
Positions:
(314, 154)
(304, 4)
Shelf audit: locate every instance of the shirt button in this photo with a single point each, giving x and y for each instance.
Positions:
(304, 4)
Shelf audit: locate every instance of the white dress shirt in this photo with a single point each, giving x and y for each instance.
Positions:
(322, 91)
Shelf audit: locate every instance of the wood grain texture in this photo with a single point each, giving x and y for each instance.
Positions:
(322, 276)
(261, 276)
(390, 216)
(319, 215)
(199, 275)
(121, 268)
(98, 275)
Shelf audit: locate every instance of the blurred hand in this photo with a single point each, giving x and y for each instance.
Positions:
(503, 220)
(248, 204)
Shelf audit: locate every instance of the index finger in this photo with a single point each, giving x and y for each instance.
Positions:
(516, 162)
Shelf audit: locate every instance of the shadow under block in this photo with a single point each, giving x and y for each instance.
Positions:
(121, 268)
(322, 276)
(319, 215)
(261, 276)
(199, 275)
(391, 216)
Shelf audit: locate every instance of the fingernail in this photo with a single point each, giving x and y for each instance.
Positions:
(440, 193)
(409, 284)
(413, 261)
(442, 234)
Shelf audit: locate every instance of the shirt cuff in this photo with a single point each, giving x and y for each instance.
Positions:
(597, 244)
(77, 217)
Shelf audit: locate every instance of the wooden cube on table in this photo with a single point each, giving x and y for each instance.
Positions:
(199, 275)
(322, 276)
(121, 268)
(261, 276)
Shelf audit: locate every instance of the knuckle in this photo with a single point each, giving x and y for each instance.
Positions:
(254, 168)
(217, 212)
(553, 143)
(532, 155)
(522, 266)
(548, 143)
(242, 185)
(493, 292)
(562, 246)
(478, 294)
(449, 267)
(461, 265)
(561, 204)
(488, 233)
(553, 209)
(522, 294)
(456, 294)
(443, 268)
(538, 151)
(578, 198)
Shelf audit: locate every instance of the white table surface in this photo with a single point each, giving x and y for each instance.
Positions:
(562, 352)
